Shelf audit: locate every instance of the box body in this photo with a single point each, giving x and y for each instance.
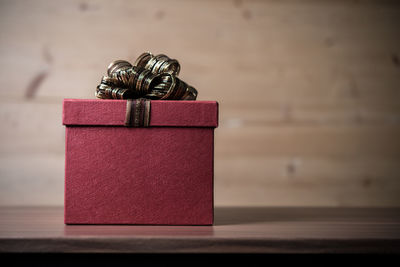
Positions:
(162, 174)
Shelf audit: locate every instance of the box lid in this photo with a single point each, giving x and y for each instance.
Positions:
(162, 112)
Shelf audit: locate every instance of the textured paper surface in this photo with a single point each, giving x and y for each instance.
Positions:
(124, 175)
(162, 113)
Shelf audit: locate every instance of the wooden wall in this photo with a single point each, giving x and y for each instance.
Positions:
(309, 91)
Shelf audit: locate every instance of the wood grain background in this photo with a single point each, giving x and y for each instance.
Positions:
(309, 91)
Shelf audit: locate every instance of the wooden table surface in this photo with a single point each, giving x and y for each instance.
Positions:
(244, 229)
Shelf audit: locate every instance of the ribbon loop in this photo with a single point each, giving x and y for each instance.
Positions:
(152, 77)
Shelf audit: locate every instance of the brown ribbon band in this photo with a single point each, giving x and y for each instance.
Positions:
(137, 112)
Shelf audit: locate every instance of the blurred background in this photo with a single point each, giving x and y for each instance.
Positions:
(309, 91)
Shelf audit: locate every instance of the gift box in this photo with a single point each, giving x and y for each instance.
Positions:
(159, 172)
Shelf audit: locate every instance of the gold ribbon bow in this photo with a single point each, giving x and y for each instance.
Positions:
(151, 77)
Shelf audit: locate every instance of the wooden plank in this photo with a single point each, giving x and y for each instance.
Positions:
(361, 141)
(286, 141)
(274, 50)
(313, 113)
(34, 126)
(32, 179)
(269, 181)
(304, 181)
(31, 127)
(237, 230)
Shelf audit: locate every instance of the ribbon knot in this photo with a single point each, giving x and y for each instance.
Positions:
(151, 77)
(137, 112)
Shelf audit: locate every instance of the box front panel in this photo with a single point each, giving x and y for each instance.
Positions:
(156, 175)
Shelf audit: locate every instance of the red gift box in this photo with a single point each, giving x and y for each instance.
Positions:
(161, 174)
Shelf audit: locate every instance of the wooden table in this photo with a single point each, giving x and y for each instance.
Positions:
(252, 229)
